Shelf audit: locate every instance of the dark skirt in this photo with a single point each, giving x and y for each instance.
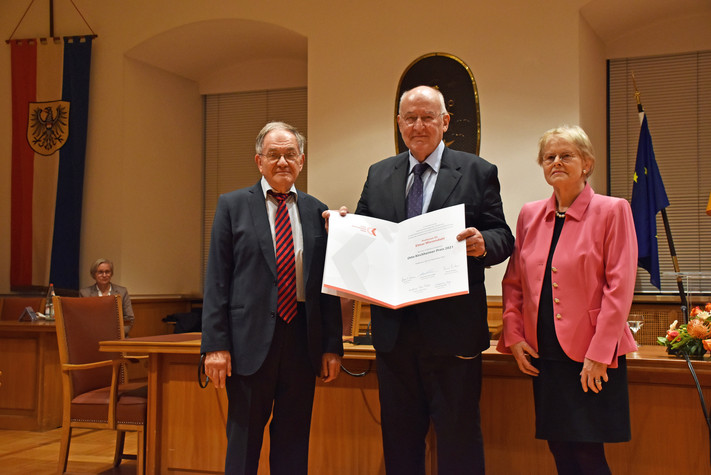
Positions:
(565, 413)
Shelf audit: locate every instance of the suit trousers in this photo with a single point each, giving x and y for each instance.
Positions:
(284, 388)
(417, 386)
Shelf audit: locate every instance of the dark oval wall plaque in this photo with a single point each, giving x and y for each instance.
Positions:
(455, 80)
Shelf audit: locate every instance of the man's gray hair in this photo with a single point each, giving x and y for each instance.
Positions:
(279, 126)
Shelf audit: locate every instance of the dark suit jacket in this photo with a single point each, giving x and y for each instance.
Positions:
(455, 325)
(240, 298)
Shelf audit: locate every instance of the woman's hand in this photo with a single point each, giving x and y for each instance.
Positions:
(521, 352)
(593, 375)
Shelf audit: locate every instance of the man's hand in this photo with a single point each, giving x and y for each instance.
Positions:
(521, 351)
(218, 366)
(476, 247)
(326, 214)
(330, 367)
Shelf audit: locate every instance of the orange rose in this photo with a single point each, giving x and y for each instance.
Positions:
(672, 335)
(695, 311)
(707, 345)
(698, 328)
(708, 307)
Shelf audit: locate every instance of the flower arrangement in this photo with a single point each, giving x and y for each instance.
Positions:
(693, 338)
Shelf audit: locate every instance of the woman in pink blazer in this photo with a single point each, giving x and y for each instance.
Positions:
(567, 293)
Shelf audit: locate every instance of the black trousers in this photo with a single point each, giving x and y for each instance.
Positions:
(417, 386)
(284, 388)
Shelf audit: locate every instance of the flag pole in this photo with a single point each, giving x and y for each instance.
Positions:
(51, 20)
(667, 230)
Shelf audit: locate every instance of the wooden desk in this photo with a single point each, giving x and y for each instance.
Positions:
(31, 391)
(186, 428)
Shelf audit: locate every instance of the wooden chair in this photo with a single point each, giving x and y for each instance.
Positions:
(347, 306)
(354, 314)
(92, 391)
(361, 318)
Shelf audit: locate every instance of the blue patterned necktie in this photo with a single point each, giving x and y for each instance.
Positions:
(286, 262)
(414, 197)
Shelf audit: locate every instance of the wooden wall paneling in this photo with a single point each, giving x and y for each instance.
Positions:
(668, 430)
(345, 427)
(20, 368)
(30, 395)
(193, 427)
(150, 312)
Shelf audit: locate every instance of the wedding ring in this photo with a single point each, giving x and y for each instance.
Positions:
(597, 381)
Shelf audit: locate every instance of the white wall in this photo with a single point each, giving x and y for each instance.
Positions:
(593, 111)
(535, 66)
(162, 172)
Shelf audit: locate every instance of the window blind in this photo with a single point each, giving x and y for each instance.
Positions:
(676, 95)
(231, 124)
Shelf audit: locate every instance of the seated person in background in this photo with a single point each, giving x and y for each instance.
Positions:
(101, 271)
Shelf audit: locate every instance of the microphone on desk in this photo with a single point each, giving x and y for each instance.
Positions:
(365, 339)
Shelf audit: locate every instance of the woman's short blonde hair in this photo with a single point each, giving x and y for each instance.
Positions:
(98, 262)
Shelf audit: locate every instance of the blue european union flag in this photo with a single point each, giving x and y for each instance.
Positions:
(648, 199)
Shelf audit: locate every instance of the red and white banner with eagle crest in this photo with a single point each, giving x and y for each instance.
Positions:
(50, 103)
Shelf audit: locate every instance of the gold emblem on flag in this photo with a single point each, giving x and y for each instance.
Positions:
(48, 126)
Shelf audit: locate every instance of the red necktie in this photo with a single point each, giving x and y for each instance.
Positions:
(286, 263)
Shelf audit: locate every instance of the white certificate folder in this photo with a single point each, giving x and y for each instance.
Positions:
(396, 264)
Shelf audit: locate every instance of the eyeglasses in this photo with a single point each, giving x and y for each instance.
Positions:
(103, 272)
(565, 158)
(276, 156)
(427, 119)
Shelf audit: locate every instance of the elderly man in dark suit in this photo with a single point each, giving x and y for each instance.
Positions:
(429, 354)
(267, 330)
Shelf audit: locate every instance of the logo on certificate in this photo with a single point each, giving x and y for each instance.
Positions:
(372, 231)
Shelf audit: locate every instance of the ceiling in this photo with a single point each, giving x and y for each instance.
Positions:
(611, 19)
(198, 49)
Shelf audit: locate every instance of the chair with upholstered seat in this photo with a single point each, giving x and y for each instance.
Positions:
(92, 391)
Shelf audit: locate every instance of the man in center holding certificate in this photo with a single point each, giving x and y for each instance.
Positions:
(429, 354)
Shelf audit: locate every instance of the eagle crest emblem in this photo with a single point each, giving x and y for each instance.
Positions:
(48, 126)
